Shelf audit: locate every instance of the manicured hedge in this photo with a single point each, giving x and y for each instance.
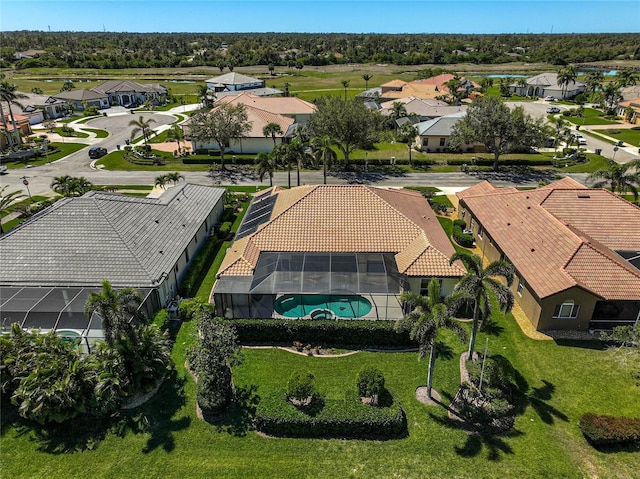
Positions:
(609, 430)
(460, 237)
(224, 230)
(542, 161)
(198, 268)
(361, 333)
(344, 419)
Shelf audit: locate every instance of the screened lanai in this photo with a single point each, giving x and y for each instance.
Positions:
(55, 308)
(331, 284)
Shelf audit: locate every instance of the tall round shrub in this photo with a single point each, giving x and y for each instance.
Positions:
(370, 382)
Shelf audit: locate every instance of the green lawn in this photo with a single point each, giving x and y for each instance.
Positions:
(65, 149)
(589, 117)
(71, 134)
(98, 133)
(630, 136)
(557, 383)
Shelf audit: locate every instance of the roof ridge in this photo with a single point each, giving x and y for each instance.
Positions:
(370, 189)
(118, 233)
(413, 261)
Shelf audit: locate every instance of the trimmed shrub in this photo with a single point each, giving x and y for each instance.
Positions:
(348, 418)
(370, 382)
(199, 267)
(301, 386)
(360, 333)
(224, 230)
(542, 161)
(608, 430)
(460, 223)
(464, 240)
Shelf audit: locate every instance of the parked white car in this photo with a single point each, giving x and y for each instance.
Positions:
(549, 98)
(553, 109)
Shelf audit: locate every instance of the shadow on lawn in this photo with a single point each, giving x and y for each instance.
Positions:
(496, 444)
(87, 432)
(240, 419)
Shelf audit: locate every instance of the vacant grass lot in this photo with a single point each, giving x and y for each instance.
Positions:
(589, 117)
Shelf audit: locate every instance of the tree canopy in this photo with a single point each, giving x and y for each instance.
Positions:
(501, 130)
(348, 123)
(220, 125)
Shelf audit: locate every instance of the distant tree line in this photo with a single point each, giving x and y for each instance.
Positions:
(107, 50)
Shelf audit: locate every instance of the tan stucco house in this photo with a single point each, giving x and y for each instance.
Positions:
(576, 251)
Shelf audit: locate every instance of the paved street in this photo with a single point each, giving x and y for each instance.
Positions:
(78, 164)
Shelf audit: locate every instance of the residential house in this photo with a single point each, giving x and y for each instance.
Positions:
(434, 135)
(440, 83)
(547, 84)
(125, 92)
(425, 109)
(292, 107)
(234, 81)
(630, 110)
(6, 127)
(50, 263)
(396, 89)
(575, 250)
(333, 251)
(81, 99)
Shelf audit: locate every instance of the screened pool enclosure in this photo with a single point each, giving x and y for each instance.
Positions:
(314, 285)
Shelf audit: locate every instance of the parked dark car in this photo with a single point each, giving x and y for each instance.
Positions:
(96, 152)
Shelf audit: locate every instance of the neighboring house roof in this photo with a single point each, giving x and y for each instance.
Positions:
(265, 91)
(397, 89)
(233, 78)
(127, 240)
(441, 126)
(439, 81)
(80, 95)
(550, 80)
(427, 107)
(632, 103)
(630, 92)
(346, 219)
(370, 93)
(116, 86)
(563, 235)
(276, 105)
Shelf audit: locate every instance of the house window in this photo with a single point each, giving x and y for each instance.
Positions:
(568, 309)
(520, 287)
(480, 231)
(472, 224)
(442, 141)
(424, 286)
(186, 255)
(425, 142)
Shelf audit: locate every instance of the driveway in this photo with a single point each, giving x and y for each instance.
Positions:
(537, 109)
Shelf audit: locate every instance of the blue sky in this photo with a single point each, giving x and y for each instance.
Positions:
(371, 16)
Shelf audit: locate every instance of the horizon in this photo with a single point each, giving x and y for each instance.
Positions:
(482, 17)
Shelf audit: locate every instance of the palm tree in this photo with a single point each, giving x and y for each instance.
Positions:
(366, 77)
(594, 80)
(266, 166)
(478, 283)
(296, 154)
(10, 95)
(203, 94)
(561, 125)
(565, 77)
(427, 314)
(286, 89)
(620, 178)
(272, 129)
(322, 151)
(611, 95)
(626, 78)
(141, 125)
(345, 84)
(161, 181)
(80, 185)
(176, 134)
(485, 84)
(280, 154)
(522, 83)
(7, 200)
(63, 185)
(174, 177)
(116, 308)
(398, 110)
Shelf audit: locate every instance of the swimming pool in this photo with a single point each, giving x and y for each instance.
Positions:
(342, 306)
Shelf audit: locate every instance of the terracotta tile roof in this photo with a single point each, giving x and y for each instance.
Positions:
(349, 218)
(279, 105)
(598, 213)
(483, 188)
(544, 232)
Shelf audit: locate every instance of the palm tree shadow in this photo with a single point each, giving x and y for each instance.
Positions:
(492, 328)
(444, 351)
(240, 419)
(537, 398)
